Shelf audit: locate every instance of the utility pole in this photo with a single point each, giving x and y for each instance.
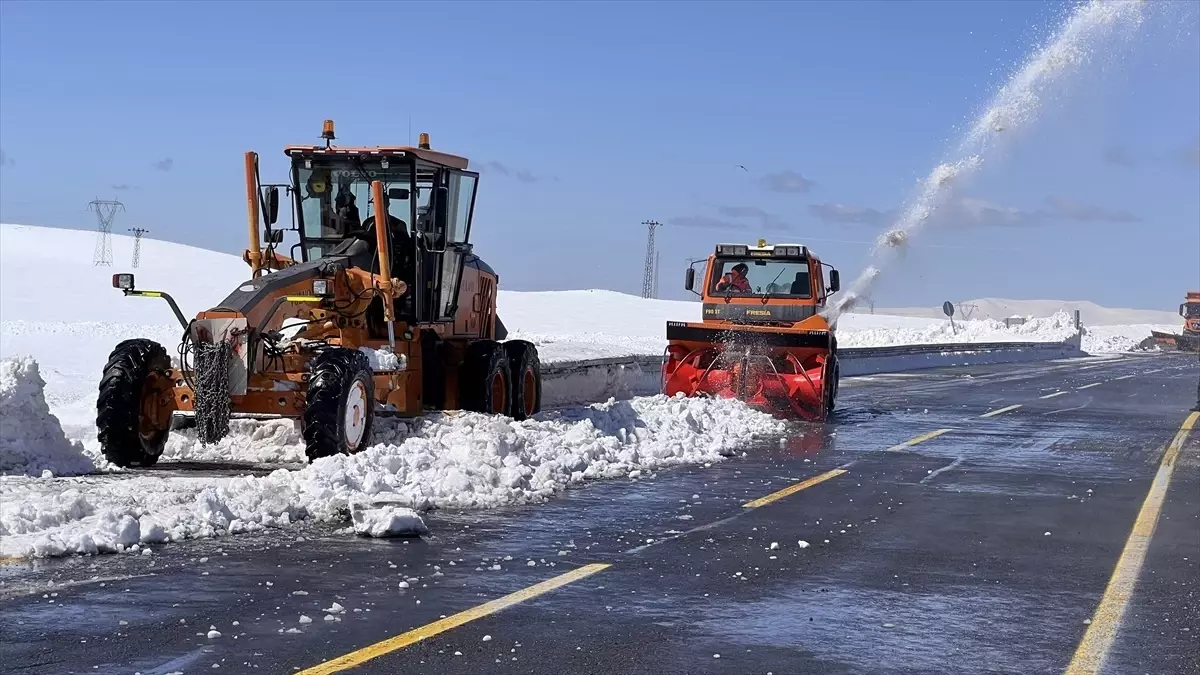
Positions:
(106, 210)
(648, 270)
(137, 244)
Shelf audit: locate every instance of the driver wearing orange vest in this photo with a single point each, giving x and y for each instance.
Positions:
(736, 279)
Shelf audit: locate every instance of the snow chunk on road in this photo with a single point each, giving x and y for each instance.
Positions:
(389, 521)
(31, 439)
(451, 460)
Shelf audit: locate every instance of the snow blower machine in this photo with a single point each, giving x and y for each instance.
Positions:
(761, 338)
(381, 307)
(1189, 339)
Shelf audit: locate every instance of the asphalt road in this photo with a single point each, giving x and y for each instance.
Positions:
(986, 548)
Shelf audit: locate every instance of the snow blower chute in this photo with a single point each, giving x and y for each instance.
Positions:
(761, 339)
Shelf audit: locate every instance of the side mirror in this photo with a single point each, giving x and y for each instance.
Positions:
(399, 194)
(272, 205)
(441, 197)
(273, 236)
(835, 281)
(689, 279)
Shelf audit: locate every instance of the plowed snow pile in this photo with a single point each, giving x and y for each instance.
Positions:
(450, 461)
(1052, 329)
(31, 440)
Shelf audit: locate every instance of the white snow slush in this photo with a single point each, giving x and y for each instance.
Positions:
(466, 460)
(31, 440)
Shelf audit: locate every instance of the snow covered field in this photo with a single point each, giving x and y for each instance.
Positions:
(69, 322)
(75, 317)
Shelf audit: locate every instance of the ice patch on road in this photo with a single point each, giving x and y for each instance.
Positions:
(463, 460)
(31, 439)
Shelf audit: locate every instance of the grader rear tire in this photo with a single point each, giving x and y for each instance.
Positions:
(527, 379)
(135, 374)
(486, 384)
(340, 405)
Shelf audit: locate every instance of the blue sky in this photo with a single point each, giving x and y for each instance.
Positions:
(588, 118)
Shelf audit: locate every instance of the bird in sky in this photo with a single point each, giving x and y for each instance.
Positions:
(743, 168)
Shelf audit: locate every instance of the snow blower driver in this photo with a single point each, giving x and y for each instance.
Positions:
(736, 280)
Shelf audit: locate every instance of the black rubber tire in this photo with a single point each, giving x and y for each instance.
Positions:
(523, 359)
(485, 361)
(332, 375)
(835, 371)
(118, 406)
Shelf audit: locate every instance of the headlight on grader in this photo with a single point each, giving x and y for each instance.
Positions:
(322, 287)
(123, 281)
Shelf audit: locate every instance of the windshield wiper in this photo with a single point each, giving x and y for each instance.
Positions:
(767, 295)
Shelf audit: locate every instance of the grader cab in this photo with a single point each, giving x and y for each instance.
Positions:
(381, 307)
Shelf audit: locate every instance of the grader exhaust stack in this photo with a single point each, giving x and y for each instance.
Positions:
(761, 339)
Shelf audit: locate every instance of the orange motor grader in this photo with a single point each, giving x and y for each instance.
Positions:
(381, 307)
(762, 338)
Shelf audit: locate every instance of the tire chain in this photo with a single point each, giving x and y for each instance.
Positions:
(212, 402)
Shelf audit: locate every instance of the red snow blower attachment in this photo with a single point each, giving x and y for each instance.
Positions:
(761, 339)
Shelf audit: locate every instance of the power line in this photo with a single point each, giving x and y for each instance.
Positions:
(137, 243)
(648, 269)
(106, 210)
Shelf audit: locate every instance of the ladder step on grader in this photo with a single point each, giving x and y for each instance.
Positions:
(761, 338)
(381, 307)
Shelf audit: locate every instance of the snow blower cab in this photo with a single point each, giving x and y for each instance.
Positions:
(380, 308)
(762, 338)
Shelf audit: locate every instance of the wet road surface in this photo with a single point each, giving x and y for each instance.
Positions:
(985, 548)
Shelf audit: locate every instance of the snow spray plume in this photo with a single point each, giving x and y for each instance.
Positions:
(1013, 108)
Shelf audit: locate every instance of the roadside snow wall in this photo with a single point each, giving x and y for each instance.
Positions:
(31, 440)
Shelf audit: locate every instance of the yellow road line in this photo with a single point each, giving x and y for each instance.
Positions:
(1098, 639)
(1001, 410)
(919, 439)
(793, 489)
(391, 644)
(1089, 386)
(1057, 393)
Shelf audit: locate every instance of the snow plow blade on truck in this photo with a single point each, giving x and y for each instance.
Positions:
(1189, 339)
(762, 339)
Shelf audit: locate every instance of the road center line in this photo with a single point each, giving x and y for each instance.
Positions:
(1057, 393)
(793, 488)
(919, 439)
(1089, 386)
(1000, 411)
(1124, 377)
(391, 644)
(1098, 639)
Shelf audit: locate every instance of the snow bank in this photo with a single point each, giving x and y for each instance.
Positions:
(448, 461)
(1057, 328)
(31, 439)
(1115, 339)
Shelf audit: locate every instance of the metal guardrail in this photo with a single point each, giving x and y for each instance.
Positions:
(844, 353)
